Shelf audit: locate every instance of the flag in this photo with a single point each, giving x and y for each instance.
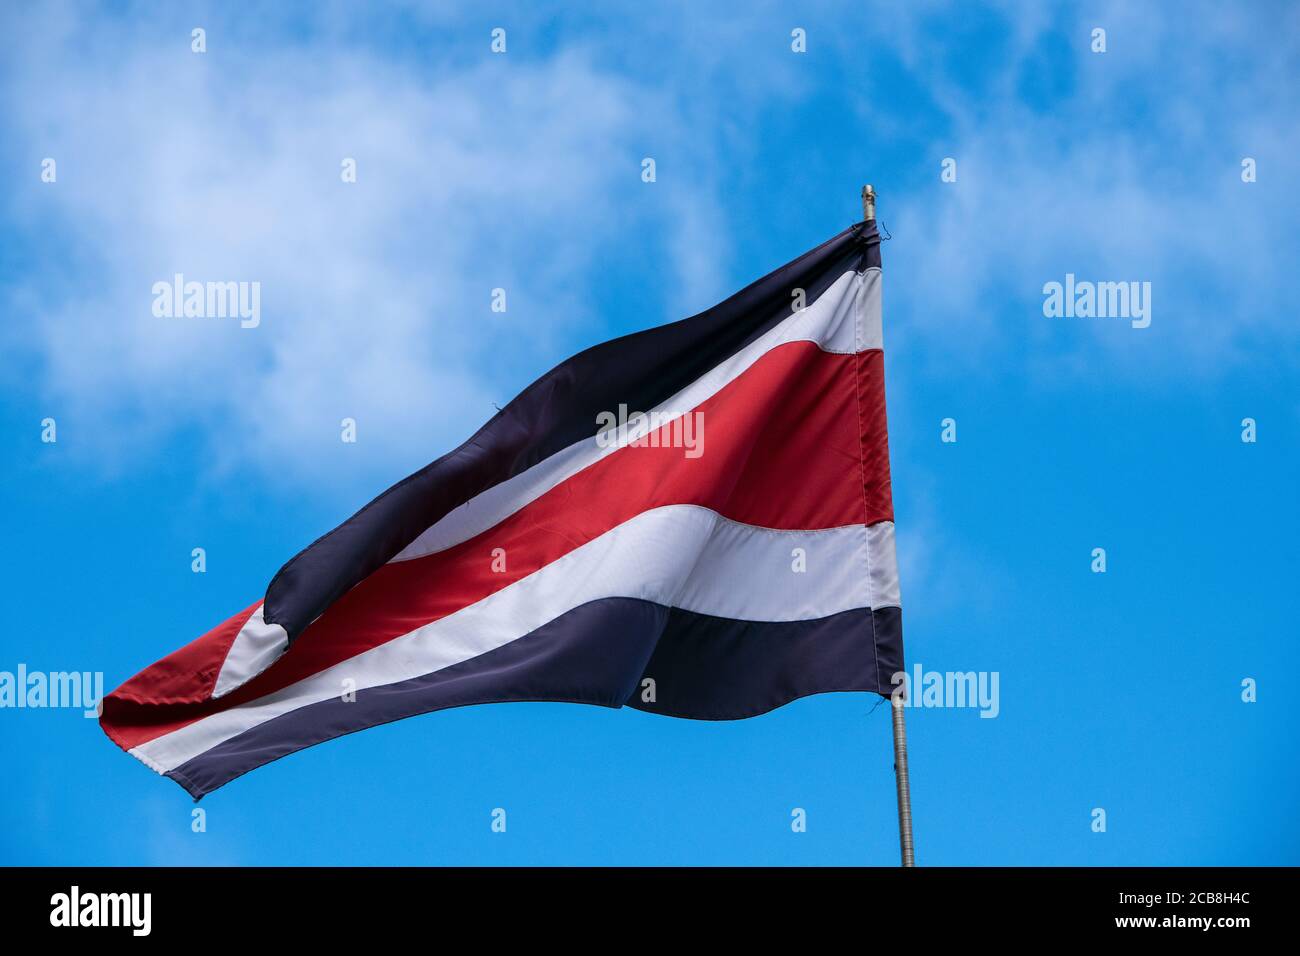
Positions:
(695, 521)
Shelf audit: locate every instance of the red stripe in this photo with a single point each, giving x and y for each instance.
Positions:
(877, 493)
(178, 685)
(783, 447)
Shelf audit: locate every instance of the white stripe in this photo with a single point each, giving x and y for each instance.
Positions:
(883, 566)
(681, 556)
(870, 334)
(255, 648)
(845, 318)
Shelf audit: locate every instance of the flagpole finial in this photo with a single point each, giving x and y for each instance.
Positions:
(868, 202)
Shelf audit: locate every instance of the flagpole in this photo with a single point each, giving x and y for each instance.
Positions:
(896, 701)
(900, 776)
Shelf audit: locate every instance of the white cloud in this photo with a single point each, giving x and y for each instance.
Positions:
(519, 171)
(375, 296)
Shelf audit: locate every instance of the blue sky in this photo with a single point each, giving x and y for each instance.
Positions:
(1119, 691)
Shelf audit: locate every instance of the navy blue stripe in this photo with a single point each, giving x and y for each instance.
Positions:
(888, 622)
(558, 410)
(711, 668)
(703, 667)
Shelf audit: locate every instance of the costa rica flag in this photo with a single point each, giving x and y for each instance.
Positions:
(693, 520)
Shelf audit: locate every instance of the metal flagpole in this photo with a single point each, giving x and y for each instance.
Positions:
(896, 701)
(900, 775)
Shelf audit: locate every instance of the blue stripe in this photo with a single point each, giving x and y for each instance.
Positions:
(703, 667)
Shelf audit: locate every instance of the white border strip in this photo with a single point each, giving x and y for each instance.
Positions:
(255, 648)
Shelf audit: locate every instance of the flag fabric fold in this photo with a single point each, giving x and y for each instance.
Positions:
(695, 521)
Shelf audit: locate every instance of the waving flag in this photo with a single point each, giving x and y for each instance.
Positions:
(694, 521)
